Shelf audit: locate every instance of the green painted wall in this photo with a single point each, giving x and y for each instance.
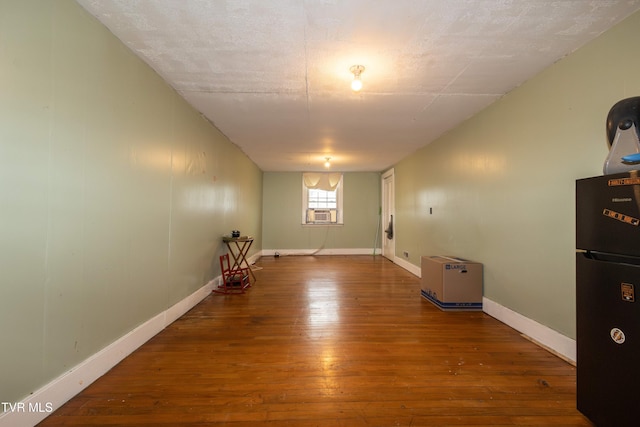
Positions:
(502, 185)
(114, 192)
(282, 214)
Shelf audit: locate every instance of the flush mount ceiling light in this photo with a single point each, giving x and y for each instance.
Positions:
(327, 162)
(356, 84)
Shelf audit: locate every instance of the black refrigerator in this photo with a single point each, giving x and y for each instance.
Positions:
(607, 298)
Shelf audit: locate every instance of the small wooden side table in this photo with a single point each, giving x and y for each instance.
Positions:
(238, 249)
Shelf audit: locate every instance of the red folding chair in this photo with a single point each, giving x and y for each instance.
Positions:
(234, 280)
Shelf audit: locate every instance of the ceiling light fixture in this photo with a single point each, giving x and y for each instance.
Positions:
(327, 162)
(356, 84)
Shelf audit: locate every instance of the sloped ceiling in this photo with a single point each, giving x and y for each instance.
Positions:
(274, 75)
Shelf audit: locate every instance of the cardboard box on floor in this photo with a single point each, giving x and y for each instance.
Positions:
(452, 283)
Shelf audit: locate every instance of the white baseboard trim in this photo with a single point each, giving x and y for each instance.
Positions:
(38, 405)
(337, 251)
(554, 341)
(415, 270)
(255, 257)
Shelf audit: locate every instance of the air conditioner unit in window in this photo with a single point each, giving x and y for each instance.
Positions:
(320, 216)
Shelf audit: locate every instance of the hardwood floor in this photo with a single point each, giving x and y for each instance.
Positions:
(331, 341)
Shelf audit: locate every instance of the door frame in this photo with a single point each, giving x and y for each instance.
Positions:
(388, 210)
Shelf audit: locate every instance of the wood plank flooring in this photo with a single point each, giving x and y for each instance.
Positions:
(326, 342)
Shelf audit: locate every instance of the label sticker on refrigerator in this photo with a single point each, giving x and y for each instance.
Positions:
(617, 336)
(628, 293)
(623, 181)
(621, 217)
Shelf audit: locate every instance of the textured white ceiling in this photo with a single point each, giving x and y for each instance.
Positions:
(274, 75)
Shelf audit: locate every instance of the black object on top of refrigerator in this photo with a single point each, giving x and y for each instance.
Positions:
(608, 298)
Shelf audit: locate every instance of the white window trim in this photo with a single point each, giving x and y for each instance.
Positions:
(339, 208)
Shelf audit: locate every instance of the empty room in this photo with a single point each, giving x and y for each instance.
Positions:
(334, 149)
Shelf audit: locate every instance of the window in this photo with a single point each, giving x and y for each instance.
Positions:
(322, 198)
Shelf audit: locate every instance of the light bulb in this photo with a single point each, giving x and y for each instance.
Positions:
(356, 84)
(327, 163)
